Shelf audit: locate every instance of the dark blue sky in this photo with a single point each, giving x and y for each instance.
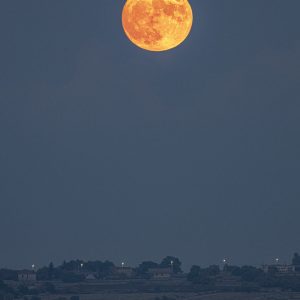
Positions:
(111, 152)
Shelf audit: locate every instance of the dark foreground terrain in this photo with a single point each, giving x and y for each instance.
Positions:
(183, 296)
(174, 289)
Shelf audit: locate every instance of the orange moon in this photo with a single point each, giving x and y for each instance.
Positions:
(157, 25)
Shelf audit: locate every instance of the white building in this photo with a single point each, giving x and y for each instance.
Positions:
(281, 269)
(26, 275)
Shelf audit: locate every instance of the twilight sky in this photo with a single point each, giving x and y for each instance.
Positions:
(111, 152)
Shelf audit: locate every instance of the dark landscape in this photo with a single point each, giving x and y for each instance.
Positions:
(88, 280)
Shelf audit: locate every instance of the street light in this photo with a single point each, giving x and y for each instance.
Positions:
(277, 260)
(122, 264)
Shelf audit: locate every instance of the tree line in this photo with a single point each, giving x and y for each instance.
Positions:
(250, 278)
(75, 270)
(207, 278)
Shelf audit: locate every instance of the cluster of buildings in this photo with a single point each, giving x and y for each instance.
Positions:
(158, 273)
(27, 275)
(280, 269)
(154, 273)
(118, 272)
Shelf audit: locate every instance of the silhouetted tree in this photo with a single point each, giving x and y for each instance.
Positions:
(250, 273)
(7, 274)
(213, 270)
(205, 276)
(194, 273)
(105, 269)
(144, 267)
(171, 261)
(296, 260)
(232, 270)
(72, 265)
(51, 271)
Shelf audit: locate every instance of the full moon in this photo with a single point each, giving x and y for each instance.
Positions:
(157, 25)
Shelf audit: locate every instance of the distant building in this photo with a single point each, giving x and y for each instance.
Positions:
(124, 271)
(281, 269)
(90, 277)
(160, 273)
(26, 275)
